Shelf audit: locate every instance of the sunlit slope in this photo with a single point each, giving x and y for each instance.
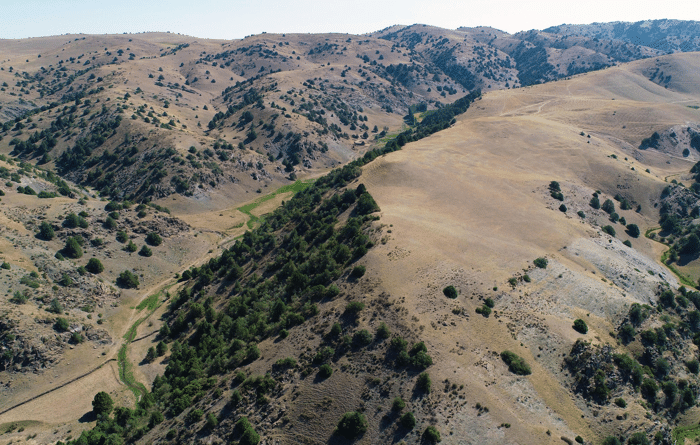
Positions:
(470, 206)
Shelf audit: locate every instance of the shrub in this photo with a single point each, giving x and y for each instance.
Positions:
(131, 247)
(46, 231)
(94, 266)
(61, 324)
(55, 306)
(595, 202)
(362, 338)
(450, 292)
(621, 402)
(128, 280)
(408, 420)
(122, 237)
(580, 326)
(424, 383)
(611, 440)
(102, 404)
(354, 307)
(398, 404)
(581, 214)
(608, 207)
(352, 424)
(541, 262)
(72, 248)
(609, 230)
(578, 439)
(693, 366)
(336, 330)
(562, 208)
(489, 302)
(358, 271)
(383, 331)
(145, 251)
(154, 239)
(431, 434)
(638, 438)
(515, 363)
(6, 265)
(325, 371)
(484, 310)
(110, 223)
(633, 230)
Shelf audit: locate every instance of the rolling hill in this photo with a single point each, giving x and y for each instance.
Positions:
(517, 266)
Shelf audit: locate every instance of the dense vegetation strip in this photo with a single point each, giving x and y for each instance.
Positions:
(269, 281)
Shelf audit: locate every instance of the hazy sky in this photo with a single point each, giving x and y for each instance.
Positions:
(238, 18)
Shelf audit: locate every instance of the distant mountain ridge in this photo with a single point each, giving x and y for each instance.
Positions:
(667, 36)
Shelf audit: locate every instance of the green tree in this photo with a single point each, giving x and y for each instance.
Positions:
(154, 239)
(161, 349)
(450, 292)
(408, 420)
(432, 435)
(515, 363)
(145, 251)
(541, 262)
(580, 326)
(424, 383)
(122, 236)
(633, 230)
(102, 404)
(608, 206)
(398, 404)
(638, 438)
(352, 424)
(94, 266)
(128, 280)
(46, 231)
(151, 354)
(72, 248)
(595, 202)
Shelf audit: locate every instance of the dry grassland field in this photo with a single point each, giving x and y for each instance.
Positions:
(280, 296)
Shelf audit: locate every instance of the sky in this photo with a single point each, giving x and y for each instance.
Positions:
(233, 19)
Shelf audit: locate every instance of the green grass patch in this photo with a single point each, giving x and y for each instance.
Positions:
(126, 374)
(664, 257)
(248, 208)
(151, 303)
(685, 432)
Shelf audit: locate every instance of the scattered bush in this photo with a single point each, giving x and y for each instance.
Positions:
(358, 271)
(61, 324)
(325, 371)
(145, 251)
(154, 239)
(620, 402)
(352, 424)
(408, 420)
(424, 383)
(515, 363)
(633, 230)
(94, 266)
(398, 404)
(431, 434)
(72, 248)
(580, 326)
(541, 262)
(610, 230)
(128, 280)
(450, 292)
(362, 338)
(383, 331)
(46, 231)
